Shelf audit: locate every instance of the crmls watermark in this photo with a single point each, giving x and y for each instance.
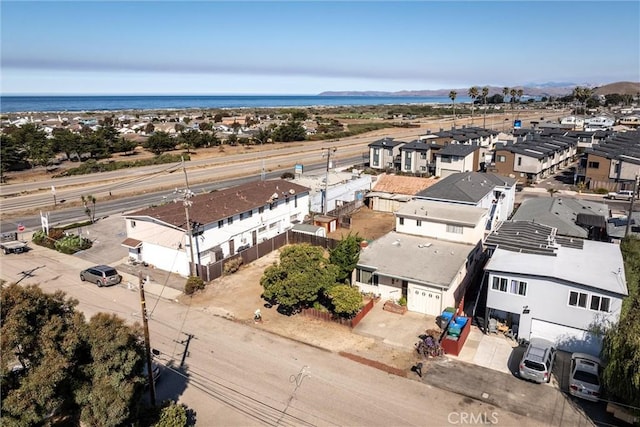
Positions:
(472, 418)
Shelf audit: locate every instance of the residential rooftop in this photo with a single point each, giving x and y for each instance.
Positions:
(442, 212)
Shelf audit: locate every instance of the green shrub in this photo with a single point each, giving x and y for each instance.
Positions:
(318, 306)
(71, 244)
(402, 301)
(601, 191)
(194, 283)
(232, 266)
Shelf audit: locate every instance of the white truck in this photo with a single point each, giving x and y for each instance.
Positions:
(621, 195)
(9, 244)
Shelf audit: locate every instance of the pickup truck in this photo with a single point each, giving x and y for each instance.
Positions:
(10, 244)
(620, 195)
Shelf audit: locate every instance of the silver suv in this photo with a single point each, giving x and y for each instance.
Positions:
(537, 362)
(101, 275)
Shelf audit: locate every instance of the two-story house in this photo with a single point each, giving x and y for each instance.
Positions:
(418, 157)
(429, 259)
(221, 224)
(546, 286)
(459, 158)
(614, 163)
(385, 154)
(484, 190)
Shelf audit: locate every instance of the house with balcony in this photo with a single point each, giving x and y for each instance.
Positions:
(220, 224)
(547, 286)
(384, 154)
(489, 191)
(614, 163)
(429, 259)
(418, 157)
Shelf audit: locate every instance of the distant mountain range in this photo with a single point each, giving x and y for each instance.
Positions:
(539, 89)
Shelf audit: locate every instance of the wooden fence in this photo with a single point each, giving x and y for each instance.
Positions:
(215, 270)
(329, 317)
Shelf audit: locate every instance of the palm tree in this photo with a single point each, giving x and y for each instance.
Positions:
(485, 93)
(519, 93)
(505, 93)
(473, 94)
(513, 94)
(87, 210)
(452, 96)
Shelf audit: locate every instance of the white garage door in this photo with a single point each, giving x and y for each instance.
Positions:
(567, 338)
(424, 300)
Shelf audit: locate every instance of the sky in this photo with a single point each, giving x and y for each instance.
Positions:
(308, 47)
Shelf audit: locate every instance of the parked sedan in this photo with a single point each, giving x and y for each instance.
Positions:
(584, 377)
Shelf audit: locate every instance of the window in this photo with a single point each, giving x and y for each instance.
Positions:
(293, 218)
(499, 284)
(593, 165)
(423, 156)
(519, 161)
(419, 223)
(261, 209)
(220, 223)
(423, 168)
(599, 303)
(286, 200)
(262, 229)
(501, 159)
(241, 216)
(133, 224)
(376, 156)
(578, 299)
(250, 213)
(295, 201)
(273, 225)
(401, 221)
(364, 276)
(518, 288)
(445, 159)
(230, 220)
(273, 205)
(454, 229)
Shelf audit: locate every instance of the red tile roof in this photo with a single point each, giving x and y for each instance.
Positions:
(212, 207)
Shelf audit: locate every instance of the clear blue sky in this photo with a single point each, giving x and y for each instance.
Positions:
(306, 47)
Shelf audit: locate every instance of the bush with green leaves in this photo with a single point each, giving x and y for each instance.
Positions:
(194, 283)
(346, 300)
(71, 244)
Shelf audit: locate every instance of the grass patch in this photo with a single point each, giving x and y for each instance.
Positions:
(92, 166)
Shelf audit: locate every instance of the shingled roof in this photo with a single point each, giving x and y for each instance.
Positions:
(211, 207)
(465, 187)
(398, 184)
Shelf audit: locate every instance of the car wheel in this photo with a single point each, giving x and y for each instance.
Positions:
(99, 283)
(82, 278)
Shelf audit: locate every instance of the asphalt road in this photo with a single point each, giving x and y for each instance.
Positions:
(237, 375)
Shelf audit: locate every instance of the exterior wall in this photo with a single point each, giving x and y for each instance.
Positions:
(344, 192)
(385, 156)
(384, 205)
(438, 230)
(601, 173)
(505, 168)
(418, 164)
(167, 259)
(549, 301)
(629, 171)
(529, 164)
(460, 164)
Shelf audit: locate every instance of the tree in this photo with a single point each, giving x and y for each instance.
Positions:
(262, 136)
(505, 93)
(473, 94)
(346, 300)
(160, 142)
(126, 146)
(452, 95)
(345, 256)
(513, 93)
(173, 415)
(149, 128)
(67, 142)
(91, 213)
(299, 279)
(288, 132)
(34, 141)
(89, 371)
(12, 157)
(485, 93)
(621, 344)
(190, 139)
(299, 115)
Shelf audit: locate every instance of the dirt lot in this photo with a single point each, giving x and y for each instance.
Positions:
(237, 296)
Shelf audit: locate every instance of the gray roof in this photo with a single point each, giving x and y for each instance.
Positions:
(597, 265)
(442, 212)
(617, 227)
(529, 237)
(386, 143)
(461, 150)
(419, 145)
(309, 228)
(560, 213)
(465, 187)
(417, 259)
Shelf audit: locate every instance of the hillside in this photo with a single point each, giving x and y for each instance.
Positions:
(622, 88)
(543, 89)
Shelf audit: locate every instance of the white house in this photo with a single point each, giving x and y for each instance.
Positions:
(494, 192)
(222, 223)
(429, 259)
(558, 288)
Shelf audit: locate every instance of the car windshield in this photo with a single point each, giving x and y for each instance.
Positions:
(534, 365)
(110, 273)
(586, 377)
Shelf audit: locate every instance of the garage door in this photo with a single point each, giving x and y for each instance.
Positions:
(567, 338)
(424, 300)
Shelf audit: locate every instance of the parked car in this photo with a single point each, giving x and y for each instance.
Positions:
(101, 275)
(621, 195)
(537, 361)
(584, 376)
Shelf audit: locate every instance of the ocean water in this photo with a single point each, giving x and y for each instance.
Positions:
(15, 104)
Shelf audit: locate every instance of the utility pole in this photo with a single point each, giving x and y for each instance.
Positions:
(187, 204)
(633, 199)
(147, 344)
(326, 179)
